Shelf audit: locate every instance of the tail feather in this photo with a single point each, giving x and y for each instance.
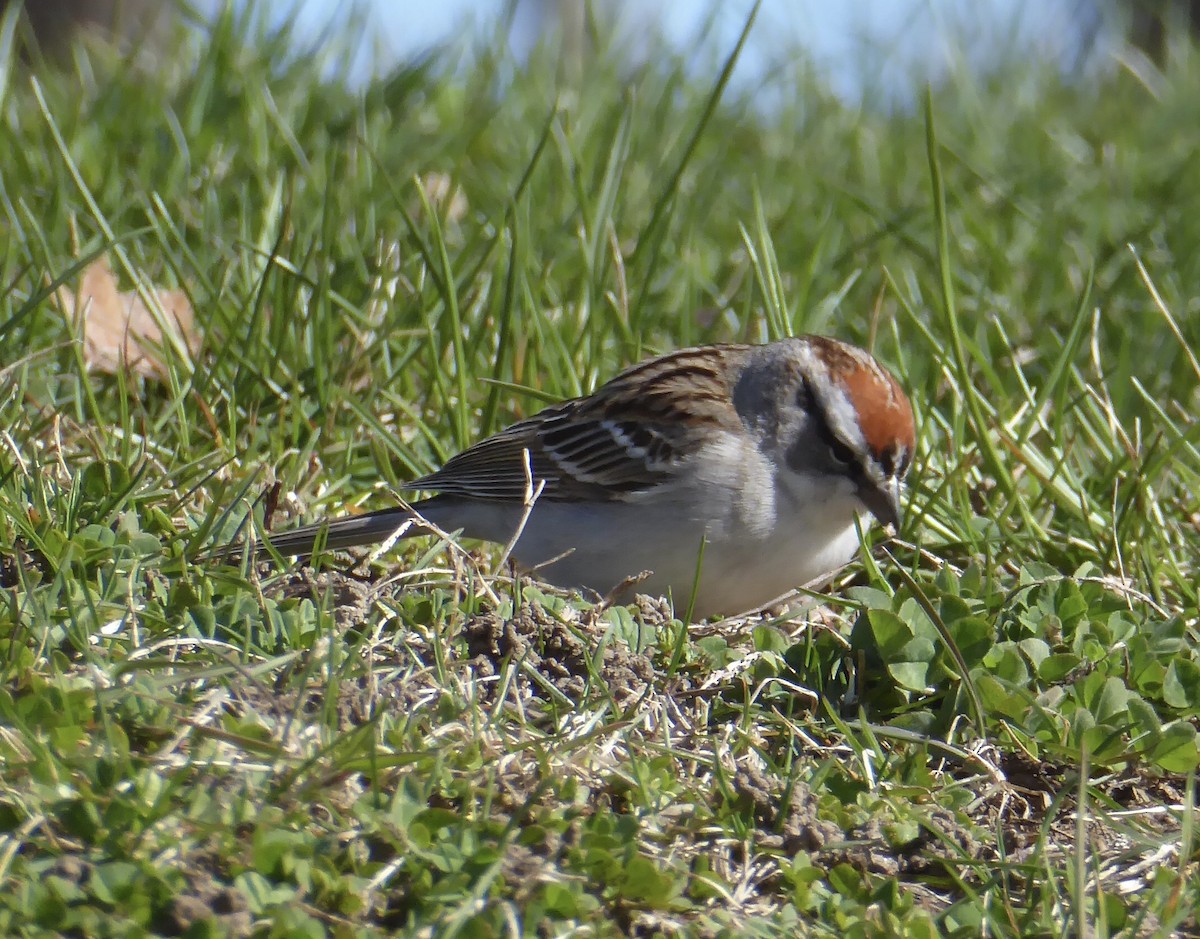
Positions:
(338, 533)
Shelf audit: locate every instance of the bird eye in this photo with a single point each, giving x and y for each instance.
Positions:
(842, 453)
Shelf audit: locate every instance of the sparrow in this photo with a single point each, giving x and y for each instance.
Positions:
(721, 476)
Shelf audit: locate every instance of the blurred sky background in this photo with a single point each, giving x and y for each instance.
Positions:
(862, 48)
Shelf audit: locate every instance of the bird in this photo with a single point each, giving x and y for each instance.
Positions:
(721, 476)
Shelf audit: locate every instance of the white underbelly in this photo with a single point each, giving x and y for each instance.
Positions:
(745, 563)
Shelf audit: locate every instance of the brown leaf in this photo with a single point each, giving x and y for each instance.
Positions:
(119, 332)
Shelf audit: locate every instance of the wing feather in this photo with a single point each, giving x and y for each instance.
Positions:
(627, 437)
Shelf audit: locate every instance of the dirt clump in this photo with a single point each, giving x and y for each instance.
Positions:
(561, 654)
(799, 827)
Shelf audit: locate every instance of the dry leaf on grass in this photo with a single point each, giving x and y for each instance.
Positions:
(119, 332)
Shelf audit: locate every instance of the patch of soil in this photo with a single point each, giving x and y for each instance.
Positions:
(790, 822)
(1040, 793)
(357, 703)
(1028, 797)
(351, 596)
(563, 655)
(558, 652)
(207, 901)
(11, 565)
(801, 829)
(551, 653)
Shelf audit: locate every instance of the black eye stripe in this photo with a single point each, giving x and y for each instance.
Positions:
(839, 450)
(894, 462)
(804, 397)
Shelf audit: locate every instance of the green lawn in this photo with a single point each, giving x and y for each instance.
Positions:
(986, 726)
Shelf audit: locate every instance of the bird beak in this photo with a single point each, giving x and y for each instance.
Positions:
(883, 501)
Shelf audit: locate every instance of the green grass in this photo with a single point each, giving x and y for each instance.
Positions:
(986, 726)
